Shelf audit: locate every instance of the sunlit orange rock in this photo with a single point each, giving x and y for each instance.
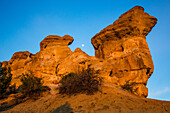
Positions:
(121, 54)
(123, 45)
(43, 64)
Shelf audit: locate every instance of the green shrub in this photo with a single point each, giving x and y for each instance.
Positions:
(31, 85)
(5, 80)
(83, 82)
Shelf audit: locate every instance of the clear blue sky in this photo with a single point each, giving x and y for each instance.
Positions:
(25, 23)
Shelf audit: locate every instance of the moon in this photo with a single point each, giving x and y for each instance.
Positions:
(82, 45)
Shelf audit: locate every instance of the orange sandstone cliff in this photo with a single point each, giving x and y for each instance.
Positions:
(121, 54)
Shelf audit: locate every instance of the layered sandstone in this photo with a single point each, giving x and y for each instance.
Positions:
(121, 54)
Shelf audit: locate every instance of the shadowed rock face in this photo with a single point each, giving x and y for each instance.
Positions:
(121, 54)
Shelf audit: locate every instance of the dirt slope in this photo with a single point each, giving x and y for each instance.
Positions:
(109, 100)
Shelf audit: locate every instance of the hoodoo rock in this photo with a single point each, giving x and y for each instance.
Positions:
(54, 40)
(123, 44)
(53, 49)
(121, 57)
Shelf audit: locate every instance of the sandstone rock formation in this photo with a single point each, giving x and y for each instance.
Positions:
(121, 54)
(53, 49)
(123, 44)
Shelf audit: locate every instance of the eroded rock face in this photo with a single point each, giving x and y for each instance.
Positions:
(121, 54)
(123, 44)
(54, 40)
(133, 24)
(77, 61)
(53, 49)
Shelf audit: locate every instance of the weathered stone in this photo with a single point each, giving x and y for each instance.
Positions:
(54, 40)
(75, 62)
(43, 64)
(135, 23)
(140, 90)
(123, 45)
(121, 54)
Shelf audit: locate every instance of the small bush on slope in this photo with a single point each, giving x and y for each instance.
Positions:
(5, 80)
(83, 82)
(31, 85)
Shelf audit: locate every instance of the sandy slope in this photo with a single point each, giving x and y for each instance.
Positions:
(109, 100)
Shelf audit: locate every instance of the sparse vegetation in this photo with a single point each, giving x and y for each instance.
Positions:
(5, 80)
(85, 81)
(31, 85)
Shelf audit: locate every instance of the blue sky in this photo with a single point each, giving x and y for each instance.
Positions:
(25, 23)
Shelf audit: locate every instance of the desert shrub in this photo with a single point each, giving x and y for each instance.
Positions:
(85, 81)
(31, 85)
(5, 80)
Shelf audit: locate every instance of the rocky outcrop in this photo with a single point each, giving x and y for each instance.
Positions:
(135, 24)
(54, 40)
(77, 61)
(121, 57)
(123, 45)
(53, 49)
